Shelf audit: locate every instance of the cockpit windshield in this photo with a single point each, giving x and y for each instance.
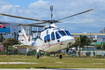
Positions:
(67, 32)
(61, 33)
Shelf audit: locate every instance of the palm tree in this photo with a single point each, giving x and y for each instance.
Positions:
(103, 46)
(83, 41)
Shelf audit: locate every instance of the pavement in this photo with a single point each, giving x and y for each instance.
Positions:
(58, 69)
(43, 68)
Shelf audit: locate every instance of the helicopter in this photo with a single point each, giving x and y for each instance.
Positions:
(52, 38)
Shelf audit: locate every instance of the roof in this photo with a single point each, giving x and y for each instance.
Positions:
(97, 43)
(88, 34)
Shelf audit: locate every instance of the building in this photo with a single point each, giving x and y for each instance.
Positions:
(96, 37)
(1, 47)
(7, 30)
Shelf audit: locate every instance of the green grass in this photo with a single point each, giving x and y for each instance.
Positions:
(51, 62)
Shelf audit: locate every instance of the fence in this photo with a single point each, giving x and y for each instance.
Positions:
(92, 53)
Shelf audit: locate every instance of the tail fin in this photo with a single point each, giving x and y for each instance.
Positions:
(24, 36)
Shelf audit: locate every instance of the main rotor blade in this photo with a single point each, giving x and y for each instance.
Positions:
(33, 24)
(78, 22)
(21, 17)
(75, 14)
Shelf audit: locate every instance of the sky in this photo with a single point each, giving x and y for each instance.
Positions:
(90, 22)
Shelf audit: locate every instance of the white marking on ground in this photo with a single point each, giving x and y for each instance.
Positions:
(58, 62)
(99, 59)
(23, 59)
(17, 63)
(59, 69)
(98, 63)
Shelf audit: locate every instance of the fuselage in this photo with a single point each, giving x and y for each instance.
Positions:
(53, 39)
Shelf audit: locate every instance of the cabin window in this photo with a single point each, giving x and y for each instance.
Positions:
(67, 32)
(52, 36)
(47, 38)
(57, 35)
(33, 44)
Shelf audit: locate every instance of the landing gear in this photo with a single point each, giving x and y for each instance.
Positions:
(60, 56)
(37, 55)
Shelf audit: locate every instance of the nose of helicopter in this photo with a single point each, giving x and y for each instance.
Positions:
(68, 39)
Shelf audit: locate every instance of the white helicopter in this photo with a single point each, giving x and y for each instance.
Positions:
(52, 38)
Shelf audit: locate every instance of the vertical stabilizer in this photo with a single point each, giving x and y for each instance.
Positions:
(25, 39)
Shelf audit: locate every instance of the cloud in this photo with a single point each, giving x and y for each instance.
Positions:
(38, 4)
(61, 8)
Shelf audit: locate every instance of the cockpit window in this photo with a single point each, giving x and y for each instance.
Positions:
(67, 32)
(62, 33)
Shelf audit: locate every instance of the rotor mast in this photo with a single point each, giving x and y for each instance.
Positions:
(51, 9)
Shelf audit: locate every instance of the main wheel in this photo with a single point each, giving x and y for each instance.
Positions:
(60, 56)
(37, 56)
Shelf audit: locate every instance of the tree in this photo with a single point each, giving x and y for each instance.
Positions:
(103, 46)
(82, 41)
(9, 41)
(1, 38)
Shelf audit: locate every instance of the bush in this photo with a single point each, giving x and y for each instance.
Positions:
(98, 46)
(31, 53)
(42, 54)
(99, 56)
(47, 54)
(88, 53)
(20, 53)
(14, 52)
(3, 53)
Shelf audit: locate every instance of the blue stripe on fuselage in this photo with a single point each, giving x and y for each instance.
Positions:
(33, 44)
